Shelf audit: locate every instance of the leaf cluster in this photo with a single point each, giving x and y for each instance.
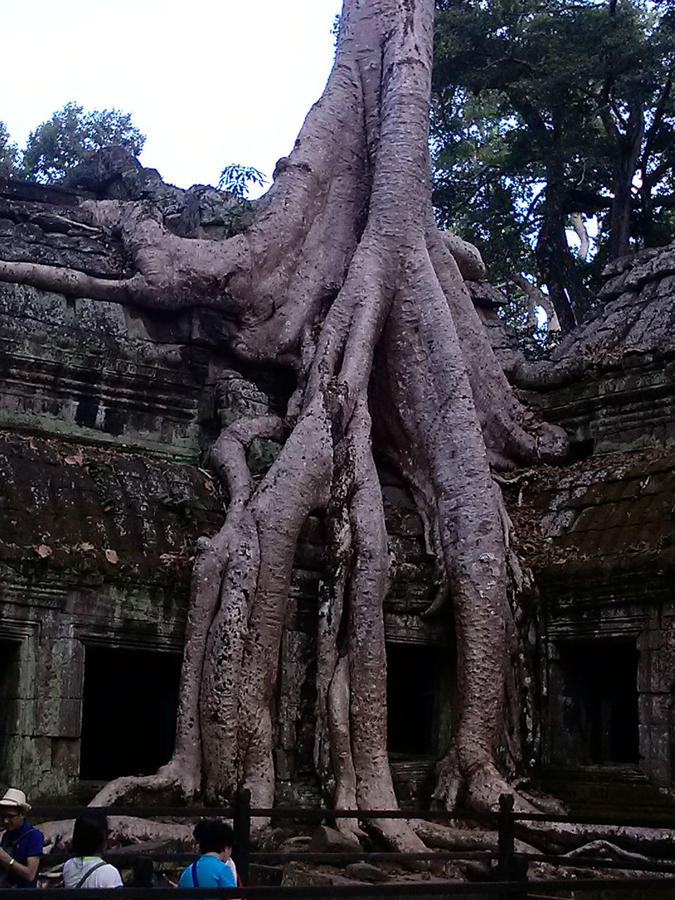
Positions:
(236, 179)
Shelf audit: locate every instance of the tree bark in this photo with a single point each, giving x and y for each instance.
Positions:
(557, 265)
(342, 266)
(627, 137)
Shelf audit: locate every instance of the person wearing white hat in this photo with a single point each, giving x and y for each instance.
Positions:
(21, 843)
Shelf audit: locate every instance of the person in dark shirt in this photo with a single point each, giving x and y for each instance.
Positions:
(21, 843)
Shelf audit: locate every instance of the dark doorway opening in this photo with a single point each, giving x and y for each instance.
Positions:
(413, 686)
(580, 450)
(599, 700)
(128, 711)
(9, 691)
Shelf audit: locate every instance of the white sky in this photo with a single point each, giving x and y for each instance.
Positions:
(210, 82)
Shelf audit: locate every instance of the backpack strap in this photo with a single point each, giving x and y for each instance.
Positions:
(90, 872)
(18, 840)
(193, 870)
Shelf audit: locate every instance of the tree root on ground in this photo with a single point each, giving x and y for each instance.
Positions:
(122, 830)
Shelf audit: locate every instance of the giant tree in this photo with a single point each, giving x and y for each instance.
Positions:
(344, 278)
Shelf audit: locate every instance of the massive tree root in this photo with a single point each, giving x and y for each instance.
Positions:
(344, 277)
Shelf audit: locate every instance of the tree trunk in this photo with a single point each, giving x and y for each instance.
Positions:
(627, 149)
(626, 136)
(342, 264)
(558, 268)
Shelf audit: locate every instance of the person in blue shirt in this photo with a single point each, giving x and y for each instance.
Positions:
(21, 844)
(215, 840)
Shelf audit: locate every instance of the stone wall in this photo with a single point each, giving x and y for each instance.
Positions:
(627, 406)
(600, 537)
(598, 534)
(95, 549)
(106, 413)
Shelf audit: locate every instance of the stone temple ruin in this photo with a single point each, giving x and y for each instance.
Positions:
(105, 415)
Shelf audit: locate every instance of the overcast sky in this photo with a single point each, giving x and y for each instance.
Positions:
(210, 82)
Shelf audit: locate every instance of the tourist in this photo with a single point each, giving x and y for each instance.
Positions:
(86, 869)
(143, 875)
(215, 840)
(21, 844)
(230, 863)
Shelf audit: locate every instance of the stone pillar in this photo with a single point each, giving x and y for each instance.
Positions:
(50, 710)
(655, 697)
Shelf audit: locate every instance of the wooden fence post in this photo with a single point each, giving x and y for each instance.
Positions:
(242, 832)
(506, 845)
(506, 839)
(510, 866)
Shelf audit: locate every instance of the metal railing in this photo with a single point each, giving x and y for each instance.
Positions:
(508, 875)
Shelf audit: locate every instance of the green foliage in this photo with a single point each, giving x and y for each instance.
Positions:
(530, 336)
(8, 153)
(70, 135)
(236, 179)
(480, 189)
(546, 108)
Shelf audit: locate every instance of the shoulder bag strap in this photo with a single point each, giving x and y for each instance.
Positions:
(90, 872)
(16, 843)
(193, 870)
